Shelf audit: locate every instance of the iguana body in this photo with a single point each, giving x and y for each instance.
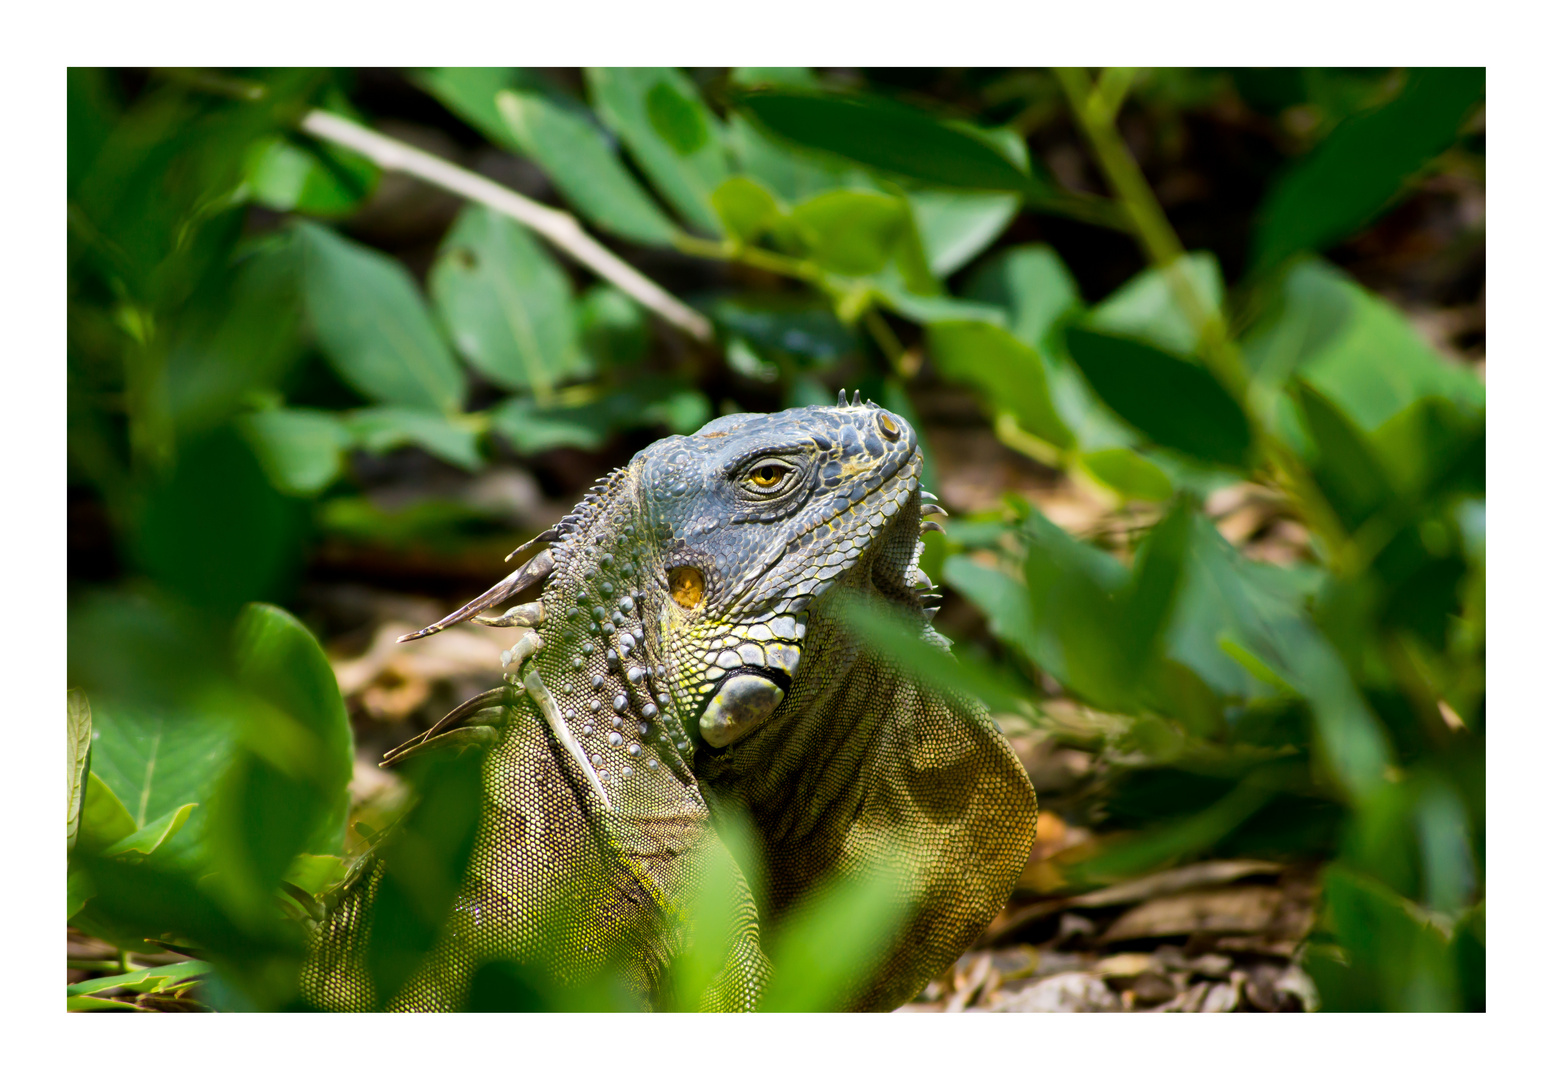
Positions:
(689, 637)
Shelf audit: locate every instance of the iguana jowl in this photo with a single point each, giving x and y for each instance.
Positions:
(689, 643)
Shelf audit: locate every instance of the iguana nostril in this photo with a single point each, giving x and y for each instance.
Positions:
(889, 427)
(686, 586)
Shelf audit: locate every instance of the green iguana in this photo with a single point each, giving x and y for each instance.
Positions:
(688, 647)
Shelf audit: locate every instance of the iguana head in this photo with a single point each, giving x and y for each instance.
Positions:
(677, 594)
(752, 519)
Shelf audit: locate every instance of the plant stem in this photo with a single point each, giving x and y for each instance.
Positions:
(1096, 108)
(556, 226)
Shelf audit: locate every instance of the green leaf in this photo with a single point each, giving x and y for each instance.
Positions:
(506, 304)
(852, 232)
(1364, 163)
(285, 792)
(424, 860)
(745, 208)
(831, 941)
(1347, 469)
(956, 227)
(301, 450)
(382, 429)
(1395, 960)
(158, 762)
(1009, 374)
(286, 173)
(1127, 473)
(532, 429)
(315, 873)
(147, 840)
(143, 980)
(1149, 308)
(585, 168)
(1356, 349)
(892, 138)
(104, 819)
(669, 131)
(799, 328)
(78, 745)
(1032, 285)
(792, 177)
(471, 94)
(1175, 403)
(373, 325)
(613, 328)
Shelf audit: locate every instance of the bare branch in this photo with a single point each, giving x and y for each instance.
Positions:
(556, 226)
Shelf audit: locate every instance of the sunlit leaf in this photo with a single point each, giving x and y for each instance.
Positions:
(147, 840)
(852, 232)
(1127, 473)
(1008, 373)
(745, 208)
(78, 764)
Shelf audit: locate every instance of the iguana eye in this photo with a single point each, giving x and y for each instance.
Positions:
(768, 477)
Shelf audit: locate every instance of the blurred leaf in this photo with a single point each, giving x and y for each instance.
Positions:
(237, 337)
(91, 111)
(773, 76)
(373, 325)
(828, 945)
(1129, 474)
(892, 138)
(613, 328)
(1353, 481)
(143, 980)
(532, 429)
(1353, 347)
(669, 131)
(1148, 308)
(956, 227)
(382, 429)
(315, 873)
(301, 450)
(792, 177)
(215, 531)
(104, 819)
(424, 859)
(285, 791)
(1030, 283)
(855, 233)
(745, 208)
(506, 304)
(471, 93)
(1175, 403)
(797, 327)
(1394, 960)
(147, 840)
(1363, 164)
(585, 168)
(1008, 373)
(1171, 842)
(288, 173)
(919, 649)
(78, 764)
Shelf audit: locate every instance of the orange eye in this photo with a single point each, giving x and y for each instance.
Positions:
(767, 475)
(890, 428)
(686, 586)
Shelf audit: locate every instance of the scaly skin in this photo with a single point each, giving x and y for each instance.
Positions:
(689, 635)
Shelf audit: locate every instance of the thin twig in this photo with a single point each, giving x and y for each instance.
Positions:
(556, 226)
